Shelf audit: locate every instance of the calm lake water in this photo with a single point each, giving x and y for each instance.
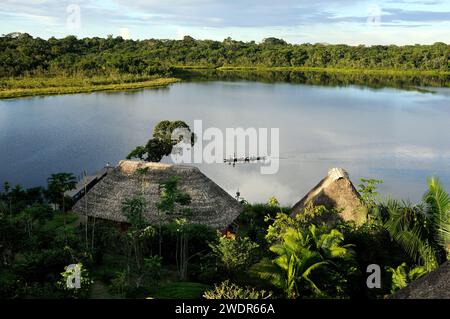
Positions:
(391, 134)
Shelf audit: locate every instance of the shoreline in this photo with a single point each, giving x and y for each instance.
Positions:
(60, 90)
(386, 72)
(43, 86)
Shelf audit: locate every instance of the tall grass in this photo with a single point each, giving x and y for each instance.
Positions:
(31, 86)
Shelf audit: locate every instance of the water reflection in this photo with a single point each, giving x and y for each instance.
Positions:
(405, 82)
(396, 135)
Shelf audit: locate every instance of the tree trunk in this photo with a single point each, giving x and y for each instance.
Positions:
(93, 234)
(64, 215)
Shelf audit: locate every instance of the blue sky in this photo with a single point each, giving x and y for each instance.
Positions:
(299, 21)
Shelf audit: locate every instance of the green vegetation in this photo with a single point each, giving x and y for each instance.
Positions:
(227, 290)
(30, 86)
(179, 290)
(25, 55)
(402, 276)
(265, 253)
(166, 134)
(310, 259)
(270, 255)
(85, 282)
(422, 230)
(233, 254)
(33, 66)
(334, 70)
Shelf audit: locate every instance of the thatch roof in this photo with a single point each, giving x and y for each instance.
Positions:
(210, 204)
(335, 191)
(435, 285)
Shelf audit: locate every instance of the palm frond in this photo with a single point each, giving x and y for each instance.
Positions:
(438, 202)
(420, 251)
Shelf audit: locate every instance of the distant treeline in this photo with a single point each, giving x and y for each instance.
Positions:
(21, 54)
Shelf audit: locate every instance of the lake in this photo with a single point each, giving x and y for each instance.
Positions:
(398, 135)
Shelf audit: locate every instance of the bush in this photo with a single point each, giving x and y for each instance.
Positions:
(152, 269)
(227, 290)
(85, 282)
(234, 255)
(119, 284)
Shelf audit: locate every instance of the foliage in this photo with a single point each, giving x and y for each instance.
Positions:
(85, 282)
(227, 290)
(422, 230)
(178, 290)
(180, 228)
(166, 134)
(152, 269)
(368, 191)
(140, 230)
(33, 86)
(234, 254)
(273, 202)
(372, 245)
(403, 275)
(303, 256)
(171, 195)
(58, 184)
(119, 283)
(318, 215)
(437, 202)
(255, 218)
(133, 209)
(21, 54)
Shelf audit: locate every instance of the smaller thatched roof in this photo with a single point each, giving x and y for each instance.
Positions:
(210, 205)
(335, 191)
(435, 285)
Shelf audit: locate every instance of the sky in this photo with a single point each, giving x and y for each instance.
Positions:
(301, 21)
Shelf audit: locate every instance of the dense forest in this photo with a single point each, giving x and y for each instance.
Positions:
(21, 55)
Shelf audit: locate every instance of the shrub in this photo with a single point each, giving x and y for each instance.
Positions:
(234, 254)
(227, 290)
(403, 275)
(85, 282)
(152, 269)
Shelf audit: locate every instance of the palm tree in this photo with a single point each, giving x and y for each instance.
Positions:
(300, 253)
(422, 230)
(58, 185)
(438, 206)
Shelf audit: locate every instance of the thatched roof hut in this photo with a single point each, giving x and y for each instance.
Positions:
(435, 285)
(210, 205)
(335, 191)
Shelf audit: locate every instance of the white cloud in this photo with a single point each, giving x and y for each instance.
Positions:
(332, 21)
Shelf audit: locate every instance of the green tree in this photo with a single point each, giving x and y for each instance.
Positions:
(140, 230)
(422, 230)
(170, 196)
(368, 191)
(166, 134)
(234, 254)
(437, 202)
(303, 253)
(58, 185)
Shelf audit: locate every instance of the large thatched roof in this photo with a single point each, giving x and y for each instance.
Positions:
(435, 285)
(335, 191)
(210, 204)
